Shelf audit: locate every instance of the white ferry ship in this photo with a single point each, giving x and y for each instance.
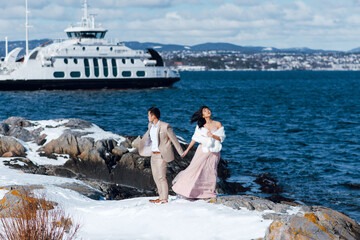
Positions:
(84, 61)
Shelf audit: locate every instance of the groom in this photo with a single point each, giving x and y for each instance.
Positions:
(157, 143)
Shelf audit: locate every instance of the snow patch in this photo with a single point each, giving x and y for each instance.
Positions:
(3, 192)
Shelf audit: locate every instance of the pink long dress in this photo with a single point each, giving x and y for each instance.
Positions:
(198, 180)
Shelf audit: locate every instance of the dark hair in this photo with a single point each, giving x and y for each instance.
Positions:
(198, 117)
(154, 111)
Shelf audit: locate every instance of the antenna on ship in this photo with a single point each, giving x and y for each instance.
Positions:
(6, 47)
(27, 26)
(85, 18)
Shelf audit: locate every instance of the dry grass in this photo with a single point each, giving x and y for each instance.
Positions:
(37, 219)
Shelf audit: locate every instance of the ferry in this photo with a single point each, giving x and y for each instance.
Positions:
(85, 60)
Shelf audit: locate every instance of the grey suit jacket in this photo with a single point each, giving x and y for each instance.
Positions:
(166, 136)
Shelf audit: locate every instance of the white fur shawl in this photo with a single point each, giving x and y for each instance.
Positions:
(209, 144)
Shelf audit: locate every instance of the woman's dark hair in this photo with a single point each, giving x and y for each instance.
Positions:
(198, 117)
(154, 111)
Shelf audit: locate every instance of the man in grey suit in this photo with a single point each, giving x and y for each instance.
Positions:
(157, 143)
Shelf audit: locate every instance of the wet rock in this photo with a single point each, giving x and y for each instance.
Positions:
(268, 184)
(10, 144)
(84, 190)
(225, 187)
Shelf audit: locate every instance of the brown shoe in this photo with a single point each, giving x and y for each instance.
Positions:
(163, 201)
(155, 201)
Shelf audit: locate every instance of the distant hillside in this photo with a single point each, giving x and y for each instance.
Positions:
(174, 47)
(355, 50)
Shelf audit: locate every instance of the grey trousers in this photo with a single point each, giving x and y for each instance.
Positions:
(158, 168)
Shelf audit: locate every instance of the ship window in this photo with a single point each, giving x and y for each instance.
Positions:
(96, 67)
(102, 35)
(140, 73)
(59, 74)
(66, 61)
(132, 61)
(105, 66)
(111, 49)
(97, 48)
(87, 67)
(75, 61)
(114, 67)
(75, 74)
(83, 48)
(126, 74)
(33, 56)
(123, 61)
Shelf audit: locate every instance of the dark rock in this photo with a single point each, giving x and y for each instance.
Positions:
(84, 190)
(94, 166)
(21, 133)
(133, 170)
(119, 150)
(119, 192)
(4, 128)
(225, 187)
(19, 122)
(21, 163)
(64, 172)
(41, 170)
(268, 184)
(76, 123)
(41, 140)
(126, 143)
(108, 144)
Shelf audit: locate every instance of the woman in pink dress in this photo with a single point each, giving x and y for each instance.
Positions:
(198, 180)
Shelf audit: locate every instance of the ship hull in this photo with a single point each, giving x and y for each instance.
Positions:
(86, 84)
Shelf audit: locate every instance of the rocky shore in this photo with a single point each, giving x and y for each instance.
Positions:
(112, 168)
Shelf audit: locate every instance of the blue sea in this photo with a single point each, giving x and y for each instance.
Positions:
(302, 127)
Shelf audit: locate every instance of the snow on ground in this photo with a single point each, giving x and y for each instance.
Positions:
(138, 219)
(132, 218)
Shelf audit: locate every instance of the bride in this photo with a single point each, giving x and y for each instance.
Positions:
(198, 180)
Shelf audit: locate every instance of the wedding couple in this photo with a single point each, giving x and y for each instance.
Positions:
(198, 180)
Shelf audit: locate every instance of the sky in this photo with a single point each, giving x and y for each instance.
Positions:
(316, 24)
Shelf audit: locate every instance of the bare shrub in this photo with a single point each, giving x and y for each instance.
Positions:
(36, 219)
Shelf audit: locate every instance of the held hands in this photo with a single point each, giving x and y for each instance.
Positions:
(185, 152)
